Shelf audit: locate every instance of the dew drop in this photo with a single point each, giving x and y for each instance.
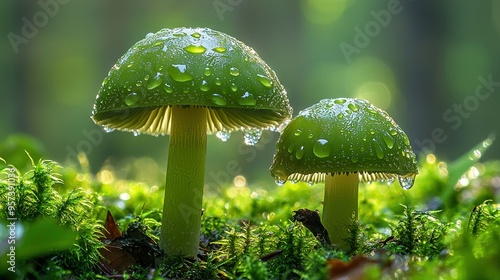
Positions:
(378, 150)
(204, 86)
(390, 181)
(252, 136)
(195, 49)
(167, 88)
(389, 141)
(218, 82)
(406, 182)
(178, 73)
(131, 99)
(299, 154)
(476, 154)
(234, 71)
(136, 133)
(393, 132)
(156, 44)
(310, 183)
(265, 81)
(354, 159)
(279, 181)
(108, 129)
(218, 99)
(207, 71)
(219, 49)
(353, 107)
(149, 35)
(179, 34)
(322, 148)
(223, 135)
(155, 82)
(339, 101)
(340, 116)
(196, 35)
(297, 132)
(105, 81)
(234, 87)
(247, 99)
(488, 142)
(406, 140)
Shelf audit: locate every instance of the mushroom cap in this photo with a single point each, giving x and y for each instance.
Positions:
(190, 67)
(341, 136)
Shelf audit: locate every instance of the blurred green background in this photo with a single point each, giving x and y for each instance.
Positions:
(433, 65)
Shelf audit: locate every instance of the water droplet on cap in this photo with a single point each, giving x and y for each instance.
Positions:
(378, 150)
(223, 135)
(219, 49)
(204, 86)
(234, 87)
(179, 34)
(265, 81)
(218, 99)
(322, 148)
(131, 99)
(167, 88)
(155, 82)
(234, 71)
(195, 49)
(196, 35)
(299, 154)
(207, 71)
(353, 107)
(179, 73)
(247, 99)
(389, 141)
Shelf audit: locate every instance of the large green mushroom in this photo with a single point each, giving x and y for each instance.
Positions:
(189, 82)
(342, 142)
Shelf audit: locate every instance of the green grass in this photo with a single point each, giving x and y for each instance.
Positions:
(446, 226)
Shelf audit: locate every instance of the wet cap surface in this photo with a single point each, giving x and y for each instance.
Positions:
(190, 67)
(343, 135)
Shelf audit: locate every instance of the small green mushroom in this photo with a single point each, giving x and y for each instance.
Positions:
(342, 142)
(189, 82)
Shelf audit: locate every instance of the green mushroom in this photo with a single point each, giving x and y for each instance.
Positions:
(342, 142)
(189, 82)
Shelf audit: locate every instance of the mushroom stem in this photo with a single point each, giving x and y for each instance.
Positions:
(340, 206)
(180, 230)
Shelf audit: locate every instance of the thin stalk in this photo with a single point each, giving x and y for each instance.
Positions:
(180, 232)
(340, 206)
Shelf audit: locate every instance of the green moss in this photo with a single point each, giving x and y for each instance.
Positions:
(247, 232)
